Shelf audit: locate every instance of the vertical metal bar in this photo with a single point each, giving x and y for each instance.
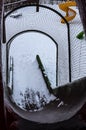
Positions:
(69, 51)
(56, 64)
(3, 26)
(37, 6)
(2, 108)
(12, 74)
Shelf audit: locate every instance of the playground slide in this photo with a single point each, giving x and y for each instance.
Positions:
(70, 13)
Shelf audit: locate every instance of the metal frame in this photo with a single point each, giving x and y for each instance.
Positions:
(53, 10)
(25, 2)
(38, 31)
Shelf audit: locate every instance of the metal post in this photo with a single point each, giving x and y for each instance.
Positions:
(37, 7)
(2, 109)
(3, 27)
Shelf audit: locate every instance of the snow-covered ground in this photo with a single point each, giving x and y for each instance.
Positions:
(45, 21)
(26, 73)
(24, 48)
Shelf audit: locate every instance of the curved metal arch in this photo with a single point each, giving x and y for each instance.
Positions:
(67, 24)
(38, 31)
(43, 6)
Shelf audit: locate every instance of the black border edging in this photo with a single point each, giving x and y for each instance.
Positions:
(67, 24)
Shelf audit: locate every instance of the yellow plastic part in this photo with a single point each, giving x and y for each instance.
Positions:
(70, 13)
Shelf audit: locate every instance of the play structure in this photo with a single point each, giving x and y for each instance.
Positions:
(70, 13)
(62, 63)
(67, 52)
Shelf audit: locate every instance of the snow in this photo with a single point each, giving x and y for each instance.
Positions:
(27, 77)
(26, 46)
(60, 104)
(43, 21)
(27, 74)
